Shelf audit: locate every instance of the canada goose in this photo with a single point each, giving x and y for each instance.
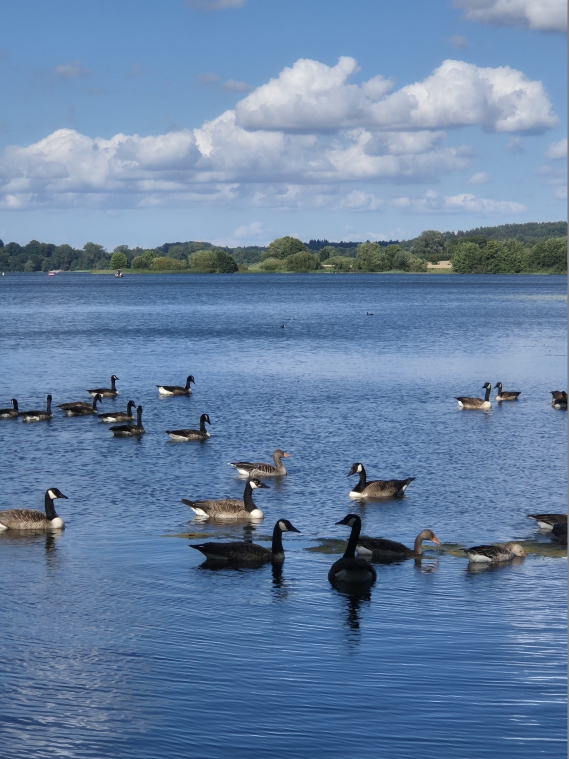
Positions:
(30, 519)
(505, 396)
(494, 554)
(119, 416)
(465, 401)
(10, 413)
(349, 568)
(80, 408)
(557, 394)
(177, 389)
(229, 508)
(249, 552)
(559, 399)
(201, 434)
(106, 392)
(559, 533)
(546, 521)
(130, 430)
(38, 416)
(376, 488)
(263, 470)
(381, 548)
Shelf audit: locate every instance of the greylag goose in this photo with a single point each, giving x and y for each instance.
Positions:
(504, 395)
(130, 430)
(80, 408)
(177, 389)
(30, 519)
(546, 521)
(464, 401)
(381, 548)
(38, 416)
(376, 488)
(119, 416)
(10, 413)
(349, 568)
(494, 554)
(263, 470)
(249, 552)
(106, 392)
(229, 508)
(201, 434)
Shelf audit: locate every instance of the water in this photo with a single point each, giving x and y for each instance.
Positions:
(118, 643)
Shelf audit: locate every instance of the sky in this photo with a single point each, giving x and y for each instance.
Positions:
(239, 121)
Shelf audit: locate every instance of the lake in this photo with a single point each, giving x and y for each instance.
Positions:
(118, 642)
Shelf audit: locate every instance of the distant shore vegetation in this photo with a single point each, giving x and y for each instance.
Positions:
(535, 248)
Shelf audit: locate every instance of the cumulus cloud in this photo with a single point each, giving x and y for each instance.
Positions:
(538, 15)
(557, 150)
(253, 231)
(73, 70)
(433, 202)
(481, 177)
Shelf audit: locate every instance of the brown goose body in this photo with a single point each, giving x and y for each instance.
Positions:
(248, 553)
(106, 392)
(546, 521)
(383, 549)
(352, 569)
(177, 389)
(504, 395)
(494, 554)
(38, 416)
(119, 416)
(130, 430)
(376, 488)
(229, 508)
(263, 470)
(181, 436)
(467, 402)
(80, 408)
(30, 519)
(10, 413)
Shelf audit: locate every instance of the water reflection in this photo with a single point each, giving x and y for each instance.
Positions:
(355, 598)
(427, 564)
(476, 567)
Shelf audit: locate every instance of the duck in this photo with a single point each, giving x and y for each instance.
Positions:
(119, 416)
(38, 416)
(546, 521)
(559, 533)
(465, 401)
(503, 395)
(381, 548)
(106, 392)
(177, 389)
(201, 434)
(349, 568)
(80, 408)
(494, 554)
(263, 470)
(250, 553)
(130, 430)
(10, 413)
(229, 508)
(376, 488)
(559, 399)
(30, 519)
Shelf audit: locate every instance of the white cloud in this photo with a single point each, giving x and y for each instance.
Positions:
(557, 149)
(538, 15)
(232, 86)
(458, 42)
(208, 77)
(253, 231)
(561, 193)
(73, 70)
(514, 146)
(433, 202)
(215, 5)
(360, 201)
(481, 177)
(310, 96)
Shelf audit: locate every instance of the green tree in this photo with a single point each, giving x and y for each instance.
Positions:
(302, 261)
(144, 260)
(224, 263)
(283, 247)
(372, 257)
(430, 245)
(272, 264)
(118, 261)
(468, 258)
(165, 263)
(203, 261)
(550, 255)
(416, 264)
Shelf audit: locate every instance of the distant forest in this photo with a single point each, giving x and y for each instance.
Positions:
(532, 247)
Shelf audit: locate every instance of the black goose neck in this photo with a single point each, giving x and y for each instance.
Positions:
(49, 507)
(248, 497)
(360, 487)
(113, 388)
(139, 417)
(277, 545)
(48, 405)
(202, 424)
(487, 396)
(350, 552)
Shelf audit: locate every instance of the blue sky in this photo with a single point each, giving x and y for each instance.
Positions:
(238, 121)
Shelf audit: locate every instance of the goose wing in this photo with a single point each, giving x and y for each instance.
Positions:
(74, 405)
(172, 388)
(216, 508)
(22, 518)
(510, 396)
(383, 546)
(468, 401)
(386, 488)
(115, 416)
(549, 519)
(253, 468)
(185, 433)
(492, 553)
(352, 570)
(235, 552)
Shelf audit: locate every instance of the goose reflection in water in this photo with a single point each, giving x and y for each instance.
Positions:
(475, 568)
(354, 600)
(427, 565)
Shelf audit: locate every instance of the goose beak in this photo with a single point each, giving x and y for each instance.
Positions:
(62, 496)
(292, 528)
(436, 540)
(262, 485)
(286, 455)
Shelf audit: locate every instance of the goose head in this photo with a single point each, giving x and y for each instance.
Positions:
(498, 385)
(487, 386)
(350, 520)
(429, 535)
(356, 469)
(114, 377)
(55, 493)
(129, 406)
(14, 403)
(281, 454)
(515, 548)
(97, 399)
(204, 419)
(257, 484)
(285, 526)
(189, 379)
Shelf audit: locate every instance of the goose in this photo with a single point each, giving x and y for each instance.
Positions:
(229, 508)
(119, 416)
(30, 519)
(80, 408)
(177, 389)
(201, 434)
(559, 399)
(376, 488)
(130, 430)
(106, 392)
(559, 533)
(249, 552)
(349, 568)
(465, 401)
(381, 548)
(263, 470)
(494, 554)
(546, 521)
(557, 394)
(38, 416)
(10, 413)
(503, 395)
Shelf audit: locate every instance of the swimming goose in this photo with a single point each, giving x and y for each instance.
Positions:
(494, 554)
(349, 568)
(30, 519)
(249, 552)
(263, 470)
(106, 392)
(381, 548)
(546, 521)
(38, 416)
(10, 413)
(119, 416)
(376, 488)
(229, 508)
(80, 408)
(177, 389)
(130, 430)
(557, 394)
(201, 434)
(465, 401)
(559, 533)
(559, 399)
(503, 395)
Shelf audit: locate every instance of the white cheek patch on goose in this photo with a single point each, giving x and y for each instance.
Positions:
(283, 527)
(51, 494)
(360, 468)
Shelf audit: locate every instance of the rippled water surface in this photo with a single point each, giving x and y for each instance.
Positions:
(118, 642)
